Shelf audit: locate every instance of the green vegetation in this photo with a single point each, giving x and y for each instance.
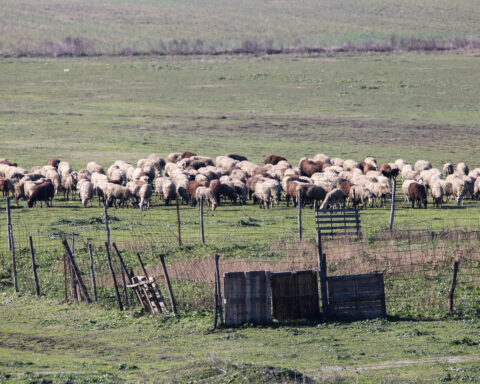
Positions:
(45, 341)
(410, 106)
(142, 26)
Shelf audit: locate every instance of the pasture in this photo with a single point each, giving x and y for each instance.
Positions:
(391, 106)
(117, 27)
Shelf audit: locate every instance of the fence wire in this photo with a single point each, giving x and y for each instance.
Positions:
(417, 264)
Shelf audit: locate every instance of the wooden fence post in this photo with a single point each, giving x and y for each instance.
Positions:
(451, 294)
(92, 273)
(110, 266)
(169, 286)
(299, 201)
(202, 230)
(392, 210)
(219, 288)
(107, 227)
(65, 276)
(34, 267)
(322, 269)
(178, 223)
(11, 245)
(76, 271)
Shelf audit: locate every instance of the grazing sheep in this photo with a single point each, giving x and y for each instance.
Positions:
(53, 162)
(349, 165)
(311, 194)
(273, 159)
(204, 194)
(69, 184)
(85, 190)
(145, 194)
(422, 165)
(400, 163)
(42, 192)
(263, 195)
(405, 186)
(437, 193)
(309, 167)
(6, 186)
(447, 189)
(64, 169)
(192, 191)
(417, 193)
(234, 156)
(166, 188)
(334, 198)
(447, 169)
(462, 169)
(93, 167)
(186, 155)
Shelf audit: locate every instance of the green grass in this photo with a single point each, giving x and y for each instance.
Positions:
(45, 340)
(410, 106)
(27, 26)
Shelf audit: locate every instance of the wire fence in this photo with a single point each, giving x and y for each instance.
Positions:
(416, 263)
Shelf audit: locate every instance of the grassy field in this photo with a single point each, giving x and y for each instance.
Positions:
(401, 105)
(409, 106)
(47, 342)
(40, 27)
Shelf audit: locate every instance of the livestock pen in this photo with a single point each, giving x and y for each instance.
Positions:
(416, 262)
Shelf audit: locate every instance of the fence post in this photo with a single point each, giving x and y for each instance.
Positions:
(299, 216)
(452, 286)
(34, 267)
(110, 266)
(11, 244)
(107, 227)
(169, 286)
(9, 222)
(65, 276)
(178, 223)
(202, 230)
(76, 271)
(219, 288)
(322, 269)
(92, 272)
(392, 211)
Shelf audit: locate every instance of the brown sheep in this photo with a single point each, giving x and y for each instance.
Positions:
(53, 162)
(191, 191)
(366, 167)
(186, 155)
(309, 167)
(6, 186)
(273, 159)
(417, 193)
(42, 192)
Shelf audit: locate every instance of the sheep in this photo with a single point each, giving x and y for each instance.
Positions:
(273, 159)
(462, 169)
(447, 189)
(174, 157)
(405, 186)
(55, 177)
(53, 162)
(334, 198)
(69, 184)
(349, 165)
(64, 169)
(263, 195)
(275, 190)
(241, 190)
(400, 163)
(309, 167)
(337, 161)
(117, 195)
(192, 191)
(166, 188)
(6, 186)
(360, 195)
(417, 193)
(447, 169)
(422, 165)
(459, 190)
(145, 194)
(234, 156)
(437, 193)
(226, 162)
(187, 155)
(371, 161)
(85, 190)
(311, 194)
(42, 192)
(84, 174)
(204, 194)
(118, 176)
(94, 167)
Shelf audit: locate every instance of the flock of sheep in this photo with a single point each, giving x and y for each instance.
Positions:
(326, 182)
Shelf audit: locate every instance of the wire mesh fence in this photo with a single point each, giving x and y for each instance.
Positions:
(416, 263)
